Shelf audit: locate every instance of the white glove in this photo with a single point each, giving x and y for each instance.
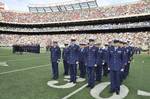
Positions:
(122, 70)
(58, 60)
(95, 65)
(103, 63)
(108, 68)
(77, 62)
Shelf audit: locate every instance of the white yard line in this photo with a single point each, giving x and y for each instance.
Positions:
(26, 58)
(143, 93)
(7, 56)
(74, 92)
(17, 55)
(4, 64)
(23, 69)
(23, 59)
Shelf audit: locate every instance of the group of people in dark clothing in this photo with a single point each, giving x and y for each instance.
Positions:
(26, 48)
(94, 61)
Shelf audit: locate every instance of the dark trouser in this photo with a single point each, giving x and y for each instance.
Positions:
(105, 69)
(98, 72)
(66, 67)
(82, 69)
(126, 71)
(91, 76)
(55, 70)
(73, 72)
(115, 80)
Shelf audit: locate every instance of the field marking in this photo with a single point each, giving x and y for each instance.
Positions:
(74, 92)
(3, 64)
(143, 93)
(53, 82)
(78, 79)
(23, 69)
(14, 55)
(95, 92)
(24, 59)
(7, 56)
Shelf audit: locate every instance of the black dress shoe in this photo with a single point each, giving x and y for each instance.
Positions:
(117, 92)
(88, 86)
(70, 81)
(74, 82)
(92, 86)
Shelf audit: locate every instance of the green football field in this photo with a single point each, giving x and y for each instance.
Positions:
(26, 76)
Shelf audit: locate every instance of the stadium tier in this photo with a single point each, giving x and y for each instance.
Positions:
(125, 21)
(140, 7)
(139, 39)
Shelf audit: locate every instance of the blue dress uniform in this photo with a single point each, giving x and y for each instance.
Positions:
(139, 50)
(115, 64)
(73, 58)
(129, 52)
(65, 59)
(55, 57)
(91, 57)
(82, 67)
(125, 61)
(99, 62)
(106, 60)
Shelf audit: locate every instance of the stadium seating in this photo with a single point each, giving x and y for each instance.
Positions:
(138, 39)
(85, 14)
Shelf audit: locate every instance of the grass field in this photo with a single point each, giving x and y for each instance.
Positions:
(26, 77)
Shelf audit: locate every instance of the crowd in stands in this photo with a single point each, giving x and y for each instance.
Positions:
(83, 27)
(137, 39)
(139, 7)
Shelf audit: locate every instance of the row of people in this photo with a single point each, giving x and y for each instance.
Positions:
(26, 48)
(138, 39)
(83, 27)
(93, 60)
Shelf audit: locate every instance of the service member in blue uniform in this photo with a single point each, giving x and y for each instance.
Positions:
(128, 51)
(125, 59)
(99, 62)
(65, 59)
(55, 58)
(105, 60)
(116, 66)
(130, 57)
(91, 56)
(73, 59)
(82, 67)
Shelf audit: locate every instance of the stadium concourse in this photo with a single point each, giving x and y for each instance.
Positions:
(32, 76)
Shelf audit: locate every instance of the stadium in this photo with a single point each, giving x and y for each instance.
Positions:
(26, 37)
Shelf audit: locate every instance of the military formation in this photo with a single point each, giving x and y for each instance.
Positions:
(93, 61)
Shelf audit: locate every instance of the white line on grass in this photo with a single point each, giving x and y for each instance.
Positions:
(17, 70)
(24, 59)
(143, 93)
(4, 64)
(74, 92)
(14, 55)
(7, 56)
